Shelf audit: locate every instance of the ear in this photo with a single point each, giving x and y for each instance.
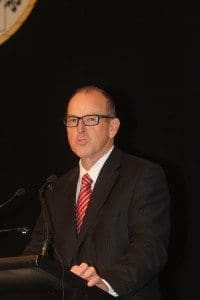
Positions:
(114, 127)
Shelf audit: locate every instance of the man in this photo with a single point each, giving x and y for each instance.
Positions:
(119, 243)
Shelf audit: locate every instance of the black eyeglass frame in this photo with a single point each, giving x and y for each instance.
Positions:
(82, 118)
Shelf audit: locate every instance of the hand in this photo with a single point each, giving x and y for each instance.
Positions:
(89, 273)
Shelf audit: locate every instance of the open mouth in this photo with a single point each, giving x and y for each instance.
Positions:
(81, 141)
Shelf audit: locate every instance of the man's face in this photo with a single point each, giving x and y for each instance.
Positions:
(90, 142)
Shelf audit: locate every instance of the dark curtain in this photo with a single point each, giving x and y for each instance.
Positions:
(147, 54)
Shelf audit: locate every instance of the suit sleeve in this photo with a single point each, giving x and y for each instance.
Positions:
(148, 226)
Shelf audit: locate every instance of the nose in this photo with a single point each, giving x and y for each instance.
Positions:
(80, 127)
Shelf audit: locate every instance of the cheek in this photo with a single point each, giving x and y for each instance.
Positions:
(70, 136)
(100, 136)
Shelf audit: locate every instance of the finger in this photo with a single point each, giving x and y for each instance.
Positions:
(79, 269)
(96, 280)
(89, 272)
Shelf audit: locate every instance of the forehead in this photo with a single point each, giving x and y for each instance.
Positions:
(86, 102)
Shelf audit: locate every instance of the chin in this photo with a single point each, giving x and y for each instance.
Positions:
(82, 153)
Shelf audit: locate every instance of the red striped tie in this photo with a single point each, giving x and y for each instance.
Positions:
(83, 199)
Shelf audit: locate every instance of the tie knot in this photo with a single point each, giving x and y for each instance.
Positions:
(86, 180)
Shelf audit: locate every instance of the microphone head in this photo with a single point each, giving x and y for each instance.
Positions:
(20, 192)
(24, 232)
(52, 178)
(48, 184)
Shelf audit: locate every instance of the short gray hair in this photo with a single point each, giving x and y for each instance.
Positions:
(91, 88)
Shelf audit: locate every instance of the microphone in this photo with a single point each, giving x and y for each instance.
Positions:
(48, 184)
(46, 214)
(19, 192)
(22, 231)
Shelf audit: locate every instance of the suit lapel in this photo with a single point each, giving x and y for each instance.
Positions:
(67, 217)
(103, 186)
(70, 216)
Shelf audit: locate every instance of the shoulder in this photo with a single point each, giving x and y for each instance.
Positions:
(69, 175)
(133, 164)
(131, 160)
(67, 178)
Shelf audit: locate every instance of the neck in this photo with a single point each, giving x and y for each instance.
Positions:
(87, 163)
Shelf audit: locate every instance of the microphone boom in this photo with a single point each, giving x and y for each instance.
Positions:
(18, 193)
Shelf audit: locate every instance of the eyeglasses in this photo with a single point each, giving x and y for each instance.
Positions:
(88, 120)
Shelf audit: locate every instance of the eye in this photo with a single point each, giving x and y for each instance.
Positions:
(71, 120)
(91, 119)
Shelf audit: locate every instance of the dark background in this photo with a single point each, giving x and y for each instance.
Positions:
(148, 55)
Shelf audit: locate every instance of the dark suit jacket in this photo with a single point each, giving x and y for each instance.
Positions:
(126, 229)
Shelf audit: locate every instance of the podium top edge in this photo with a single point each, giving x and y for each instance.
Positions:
(16, 261)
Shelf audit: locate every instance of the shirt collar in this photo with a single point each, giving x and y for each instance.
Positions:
(96, 168)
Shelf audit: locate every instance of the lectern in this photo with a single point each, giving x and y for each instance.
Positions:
(36, 277)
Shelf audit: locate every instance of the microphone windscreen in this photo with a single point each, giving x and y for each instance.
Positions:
(20, 192)
(52, 178)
